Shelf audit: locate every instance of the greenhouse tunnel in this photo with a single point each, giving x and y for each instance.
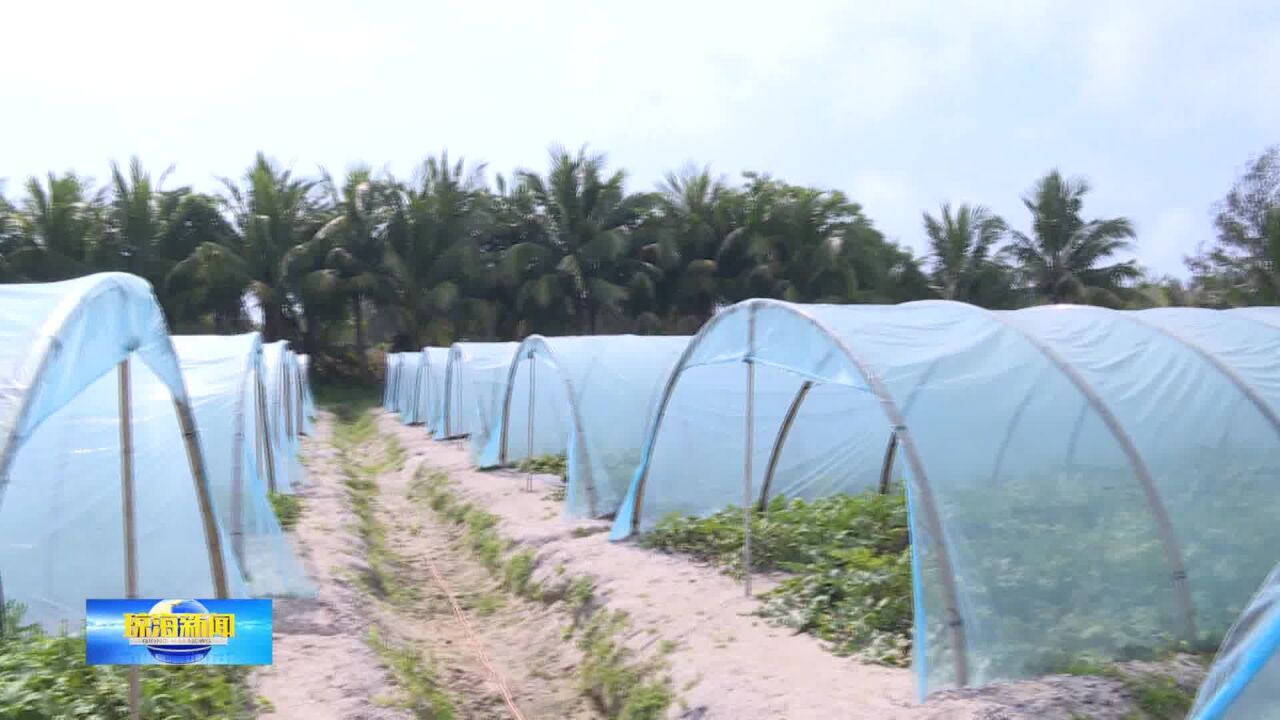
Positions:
(280, 384)
(1244, 681)
(223, 375)
(591, 401)
(104, 488)
(389, 390)
(407, 387)
(474, 376)
(430, 393)
(1079, 481)
(308, 399)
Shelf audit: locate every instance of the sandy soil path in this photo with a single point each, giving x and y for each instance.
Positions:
(724, 662)
(727, 662)
(376, 591)
(323, 669)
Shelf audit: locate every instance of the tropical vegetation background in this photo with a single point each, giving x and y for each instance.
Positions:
(340, 265)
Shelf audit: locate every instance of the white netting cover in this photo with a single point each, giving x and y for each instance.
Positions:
(430, 398)
(475, 375)
(61, 508)
(1244, 681)
(592, 400)
(221, 374)
(281, 381)
(407, 387)
(1079, 480)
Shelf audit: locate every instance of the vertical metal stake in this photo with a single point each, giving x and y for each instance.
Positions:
(747, 494)
(528, 482)
(127, 507)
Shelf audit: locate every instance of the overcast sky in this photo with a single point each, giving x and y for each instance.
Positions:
(902, 104)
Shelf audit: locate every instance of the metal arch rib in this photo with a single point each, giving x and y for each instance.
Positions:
(504, 420)
(955, 622)
(50, 344)
(1243, 385)
(784, 432)
(1164, 526)
(578, 426)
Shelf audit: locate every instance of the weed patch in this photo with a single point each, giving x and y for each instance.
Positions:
(617, 682)
(420, 681)
(620, 685)
(383, 573)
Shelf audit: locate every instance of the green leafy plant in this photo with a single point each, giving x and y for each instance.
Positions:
(45, 676)
(546, 465)
(619, 683)
(425, 695)
(288, 509)
(846, 558)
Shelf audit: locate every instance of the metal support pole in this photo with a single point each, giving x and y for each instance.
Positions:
(747, 494)
(783, 433)
(886, 467)
(127, 510)
(265, 428)
(528, 482)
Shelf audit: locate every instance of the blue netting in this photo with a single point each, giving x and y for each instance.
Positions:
(60, 451)
(308, 400)
(282, 399)
(407, 387)
(1244, 681)
(389, 394)
(430, 397)
(591, 400)
(221, 374)
(474, 377)
(1082, 481)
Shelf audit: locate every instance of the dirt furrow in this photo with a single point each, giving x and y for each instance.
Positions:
(323, 668)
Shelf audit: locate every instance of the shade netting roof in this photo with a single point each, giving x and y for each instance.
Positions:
(280, 380)
(1244, 681)
(222, 375)
(1079, 480)
(62, 489)
(407, 387)
(475, 375)
(430, 395)
(589, 398)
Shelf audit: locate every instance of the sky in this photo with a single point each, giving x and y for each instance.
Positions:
(903, 105)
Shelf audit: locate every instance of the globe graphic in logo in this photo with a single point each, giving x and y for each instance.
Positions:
(179, 654)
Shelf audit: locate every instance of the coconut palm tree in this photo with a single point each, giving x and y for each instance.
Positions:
(272, 211)
(962, 248)
(794, 243)
(434, 237)
(59, 228)
(347, 262)
(1242, 264)
(588, 221)
(1064, 259)
(209, 283)
(696, 216)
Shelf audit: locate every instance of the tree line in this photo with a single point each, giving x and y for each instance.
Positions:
(446, 254)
